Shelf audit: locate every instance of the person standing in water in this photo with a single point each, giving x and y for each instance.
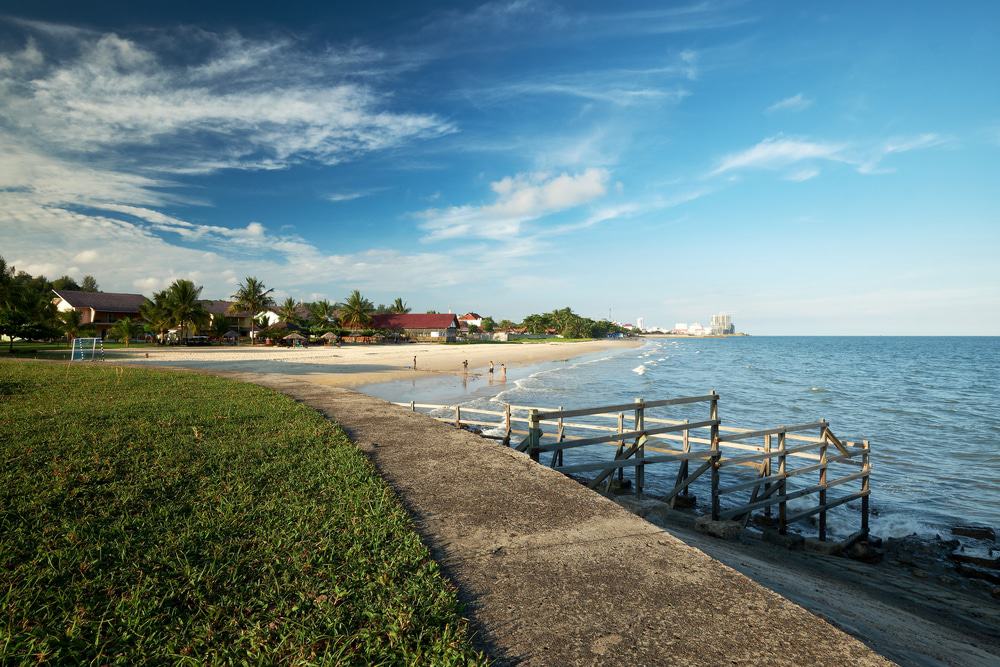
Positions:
(414, 362)
(503, 372)
(465, 366)
(491, 368)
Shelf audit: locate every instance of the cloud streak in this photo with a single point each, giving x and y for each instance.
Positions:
(796, 102)
(780, 152)
(256, 103)
(519, 199)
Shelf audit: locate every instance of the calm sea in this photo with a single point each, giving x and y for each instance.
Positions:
(929, 405)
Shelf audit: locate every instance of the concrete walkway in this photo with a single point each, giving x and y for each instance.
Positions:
(555, 574)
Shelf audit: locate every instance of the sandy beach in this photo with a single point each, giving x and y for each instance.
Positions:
(358, 365)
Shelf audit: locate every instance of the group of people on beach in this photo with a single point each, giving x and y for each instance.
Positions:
(465, 368)
(492, 369)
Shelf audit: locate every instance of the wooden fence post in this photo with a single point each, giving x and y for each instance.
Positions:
(506, 421)
(621, 449)
(413, 406)
(865, 487)
(534, 434)
(561, 435)
(782, 505)
(714, 415)
(458, 416)
(682, 471)
(640, 454)
(767, 473)
(822, 482)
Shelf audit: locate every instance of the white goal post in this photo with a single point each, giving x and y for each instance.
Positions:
(87, 349)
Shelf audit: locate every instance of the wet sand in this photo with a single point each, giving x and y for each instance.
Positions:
(357, 365)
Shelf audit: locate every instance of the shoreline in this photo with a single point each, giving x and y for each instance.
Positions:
(910, 605)
(363, 365)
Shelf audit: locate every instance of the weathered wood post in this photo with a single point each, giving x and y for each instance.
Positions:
(621, 448)
(413, 406)
(640, 454)
(534, 434)
(682, 470)
(714, 416)
(782, 505)
(822, 480)
(458, 416)
(767, 473)
(560, 436)
(506, 423)
(865, 487)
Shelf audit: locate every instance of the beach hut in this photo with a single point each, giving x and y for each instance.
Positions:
(329, 337)
(295, 338)
(231, 337)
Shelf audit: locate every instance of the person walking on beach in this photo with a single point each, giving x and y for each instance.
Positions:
(414, 362)
(491, 368)
(465, 366)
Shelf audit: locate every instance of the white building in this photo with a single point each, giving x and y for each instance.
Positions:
(640, 323)
(722, 324)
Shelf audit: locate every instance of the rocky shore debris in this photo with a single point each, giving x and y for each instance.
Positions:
(976, 532)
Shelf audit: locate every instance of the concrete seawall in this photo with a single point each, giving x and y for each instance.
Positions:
(556, 574)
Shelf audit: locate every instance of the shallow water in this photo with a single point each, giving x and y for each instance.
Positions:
(929, 405)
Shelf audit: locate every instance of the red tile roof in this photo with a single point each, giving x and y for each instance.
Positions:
(113, 302)
(415, 321)
(470, 316)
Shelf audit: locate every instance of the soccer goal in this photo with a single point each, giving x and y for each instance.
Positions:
(87, 349)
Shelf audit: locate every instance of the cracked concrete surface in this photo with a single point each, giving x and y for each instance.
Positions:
(555, 574)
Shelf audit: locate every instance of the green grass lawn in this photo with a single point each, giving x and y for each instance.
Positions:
(178, 518)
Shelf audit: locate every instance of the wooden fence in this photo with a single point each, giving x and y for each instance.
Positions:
(771, 465)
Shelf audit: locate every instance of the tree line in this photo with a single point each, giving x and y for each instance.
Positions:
(27, 312)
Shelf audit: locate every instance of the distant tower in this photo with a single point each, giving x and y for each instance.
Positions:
(722, 324)
(640, 324)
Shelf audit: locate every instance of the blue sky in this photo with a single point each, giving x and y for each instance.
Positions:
(811, 168)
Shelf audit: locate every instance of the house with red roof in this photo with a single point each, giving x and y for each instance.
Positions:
(428, 327)
(470, 319)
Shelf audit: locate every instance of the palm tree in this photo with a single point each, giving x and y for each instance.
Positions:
(252, 297)
(125, 329)
(323, 312)
(288, 311)
(72, 321)
(356, 311)
(399, 307)
(156, 314)
(184, 306)
(220, 326)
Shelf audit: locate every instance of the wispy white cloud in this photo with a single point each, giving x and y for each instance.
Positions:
(779, 152)
(255, 103)
(519, 199)
(352, 195)
(797, 102)
(801, 175)
(870, 164)
(619, 96)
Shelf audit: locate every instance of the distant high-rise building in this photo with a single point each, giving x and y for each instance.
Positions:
(640, 324)
(722, 324)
